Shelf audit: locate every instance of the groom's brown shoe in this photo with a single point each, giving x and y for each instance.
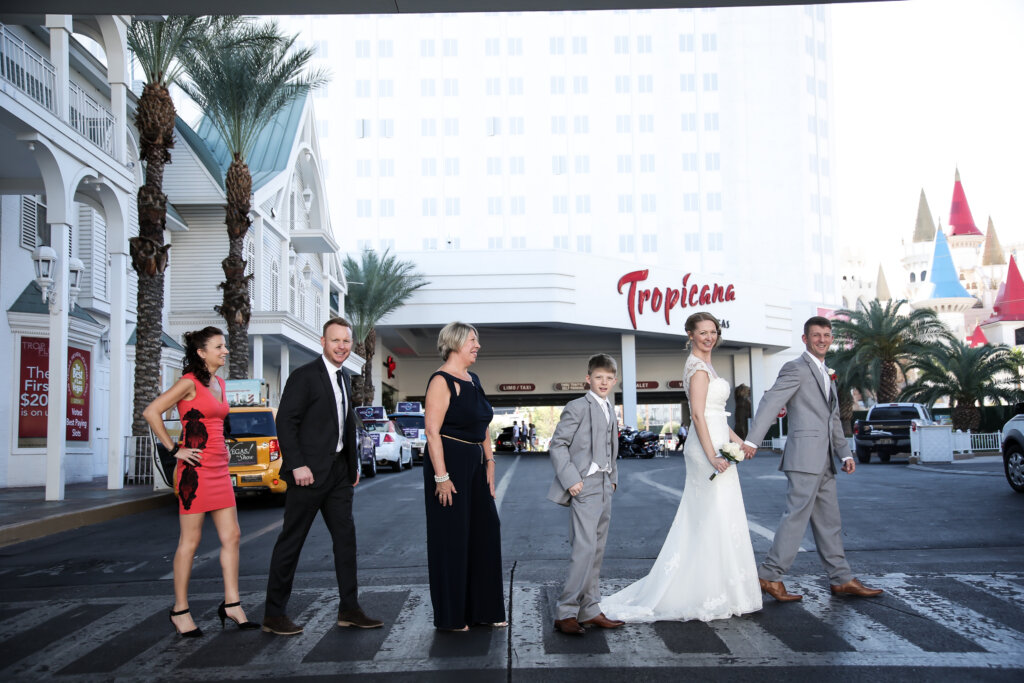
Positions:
(569, 626)
(777, 590)
(603, 622)
(856, 588)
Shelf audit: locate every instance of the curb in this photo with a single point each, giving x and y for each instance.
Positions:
(923, 468)
(63, 521)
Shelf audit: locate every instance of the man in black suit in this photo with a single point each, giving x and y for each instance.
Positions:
(316, 426)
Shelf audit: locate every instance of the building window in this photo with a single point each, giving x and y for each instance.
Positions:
(627, 244)
(710, 82)
(622, 85)
(648, 203)
(712, 161)
(515, 47)
(685, 42)
(517, 165)
(691, 201)
(692, 241)
(428, 167)
(451, 87)
(451, 127)
(649, 243)
(363, 208)
(716, 242)
(515, 86)
(625, 203)
(494, 206)
(33, 222)
(453, 243)
(622, 45)
(428, 128)
(583, 203)
(558, 164)
(581, 124)
(714, 200)
(687, 82)
(275, 285)
(689, 122)
(518, 242)
(560, 241)
(362, 128)
(647, 163)
(557, 85)
(451, 47)
(386, 128)
(560, 204)
(556, 45)
(644, 44)
(646, 123)
(495, 243)
(452, 206)
(428, 87)
(385, 88)
(645, 84)
(623, 123)
(362, 88)
(689, 161)
(430, 206)
(387, 208)
(580, 85)
(581, 163)
(624, 163)
(579, 45)
(386, 168)
(426, 48)
(493, 165)
(516, 125)
(493, 87)
(492, 47)
(709, 42)
(517, 205)
(385, 49)
(558, 125)
(584, 243)
(493, 126)
(451, 166)
(711, 121)
(362, 49)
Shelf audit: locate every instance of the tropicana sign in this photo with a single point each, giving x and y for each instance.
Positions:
(668, 298)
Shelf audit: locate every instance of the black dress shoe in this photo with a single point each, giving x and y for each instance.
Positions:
(355, 617)
(282, 626)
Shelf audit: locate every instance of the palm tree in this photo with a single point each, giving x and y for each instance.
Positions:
(967, 376)
(378, 285)
(157, 46)
(883, 340)
(850, 376)
(242, 79)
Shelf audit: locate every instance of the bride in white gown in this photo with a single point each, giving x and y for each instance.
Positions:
(705, 569)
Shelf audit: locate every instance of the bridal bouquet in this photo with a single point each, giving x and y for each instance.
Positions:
(731, 452)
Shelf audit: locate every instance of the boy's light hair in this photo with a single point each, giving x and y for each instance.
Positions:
(602, 361)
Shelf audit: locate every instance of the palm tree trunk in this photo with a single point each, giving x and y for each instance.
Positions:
(154, 119)
(966, 416)
(888, 386)
(362, 384)
(236, 307)
(846, 410)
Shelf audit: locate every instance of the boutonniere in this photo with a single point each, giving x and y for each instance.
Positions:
(832, 375)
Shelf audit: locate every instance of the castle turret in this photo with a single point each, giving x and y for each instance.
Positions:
(964, 237)
(1006, 325)
(945, 294)
(918, 254)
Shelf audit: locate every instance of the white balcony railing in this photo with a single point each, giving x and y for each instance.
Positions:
(27, 70)
(91, 119)
(34, 75)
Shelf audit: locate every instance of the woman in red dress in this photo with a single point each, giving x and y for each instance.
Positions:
(203, 481)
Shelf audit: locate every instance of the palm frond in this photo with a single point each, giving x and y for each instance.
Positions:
(379, 284)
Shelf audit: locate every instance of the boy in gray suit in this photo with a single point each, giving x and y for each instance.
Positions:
(583, 450)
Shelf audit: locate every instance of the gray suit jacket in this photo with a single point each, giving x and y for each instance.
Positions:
(582, 424)
(815, 431)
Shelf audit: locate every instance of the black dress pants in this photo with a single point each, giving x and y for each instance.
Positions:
(333, 500)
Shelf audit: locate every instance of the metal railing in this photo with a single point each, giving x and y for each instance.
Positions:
(992, 441)
(90, 118)
(27, 70)
(138, 460)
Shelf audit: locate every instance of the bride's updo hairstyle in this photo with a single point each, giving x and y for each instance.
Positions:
(192, 362)
(691, 325)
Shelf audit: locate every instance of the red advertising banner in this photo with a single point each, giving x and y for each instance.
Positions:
(33, 399)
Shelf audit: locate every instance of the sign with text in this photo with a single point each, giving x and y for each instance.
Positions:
(646, 385)
(571, 386)
(371, 413)
(675, 384)
(33, 396)
(664, 299)
(522, 386)
(409, 407)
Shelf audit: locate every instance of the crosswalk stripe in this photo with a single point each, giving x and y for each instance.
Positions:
(999, 586)
(34, 615)
(411, 634)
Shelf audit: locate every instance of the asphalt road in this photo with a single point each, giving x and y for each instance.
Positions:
(945, 542)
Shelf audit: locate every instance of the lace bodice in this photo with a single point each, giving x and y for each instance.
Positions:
(718, 388)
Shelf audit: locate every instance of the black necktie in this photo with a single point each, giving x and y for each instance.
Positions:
(341, 414)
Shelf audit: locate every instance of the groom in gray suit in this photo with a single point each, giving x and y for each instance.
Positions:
(584, 449)
(807, 389)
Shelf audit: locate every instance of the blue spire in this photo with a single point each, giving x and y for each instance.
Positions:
(944, 278)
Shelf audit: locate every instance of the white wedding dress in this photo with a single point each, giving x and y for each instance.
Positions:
(705, 569)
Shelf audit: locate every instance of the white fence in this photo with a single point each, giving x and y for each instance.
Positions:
(27, 70)
(966, 442)
(91, 119)
(138, 460)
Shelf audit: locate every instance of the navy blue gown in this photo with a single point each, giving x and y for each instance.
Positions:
(464, 538)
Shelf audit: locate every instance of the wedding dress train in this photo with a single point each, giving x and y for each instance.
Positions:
(705, 569)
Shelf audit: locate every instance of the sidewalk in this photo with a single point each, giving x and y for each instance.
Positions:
(24, 514)
(979, 465)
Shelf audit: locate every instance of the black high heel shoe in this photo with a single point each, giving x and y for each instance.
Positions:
(194, 633)
(222, 612)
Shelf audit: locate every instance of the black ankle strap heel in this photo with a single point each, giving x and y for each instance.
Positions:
(194, 633)
(224, 616)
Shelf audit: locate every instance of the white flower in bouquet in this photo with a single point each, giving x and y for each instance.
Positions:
(732, 452)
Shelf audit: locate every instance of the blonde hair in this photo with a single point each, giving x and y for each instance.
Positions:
(453, 336)
(691, 325)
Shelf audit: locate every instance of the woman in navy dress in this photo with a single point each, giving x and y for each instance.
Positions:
(463, 531)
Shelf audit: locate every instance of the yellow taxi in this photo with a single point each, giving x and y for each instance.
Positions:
(254, 454)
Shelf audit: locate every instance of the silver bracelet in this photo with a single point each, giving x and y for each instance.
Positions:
(441, 480)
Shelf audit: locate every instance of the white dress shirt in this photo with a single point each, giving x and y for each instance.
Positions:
(332, 372)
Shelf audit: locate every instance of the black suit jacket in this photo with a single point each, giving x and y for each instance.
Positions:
(307, 424)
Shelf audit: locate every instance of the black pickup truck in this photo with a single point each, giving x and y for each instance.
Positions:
(886, 429)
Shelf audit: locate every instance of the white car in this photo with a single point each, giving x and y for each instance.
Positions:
(393, 447)
(412, 426)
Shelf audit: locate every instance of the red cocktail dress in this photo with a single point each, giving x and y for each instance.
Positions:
(207, 486)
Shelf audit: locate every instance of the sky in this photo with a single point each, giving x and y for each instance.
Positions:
(920, 88)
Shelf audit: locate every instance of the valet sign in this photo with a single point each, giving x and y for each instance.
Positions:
(642, 298)
(33, 396)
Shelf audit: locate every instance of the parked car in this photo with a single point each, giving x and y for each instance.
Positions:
(410, 420)
(367, 450)
(392, 447)
(254, 454)
(886, 429)
(505, 442)
(1013, 452)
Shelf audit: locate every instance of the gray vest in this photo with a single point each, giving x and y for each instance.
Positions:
(603, 448)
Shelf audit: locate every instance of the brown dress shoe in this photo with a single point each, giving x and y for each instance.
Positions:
(856, 588)
(282, 626)
(603, 622)
(777, 590)
(569, 626)
(355, 617)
